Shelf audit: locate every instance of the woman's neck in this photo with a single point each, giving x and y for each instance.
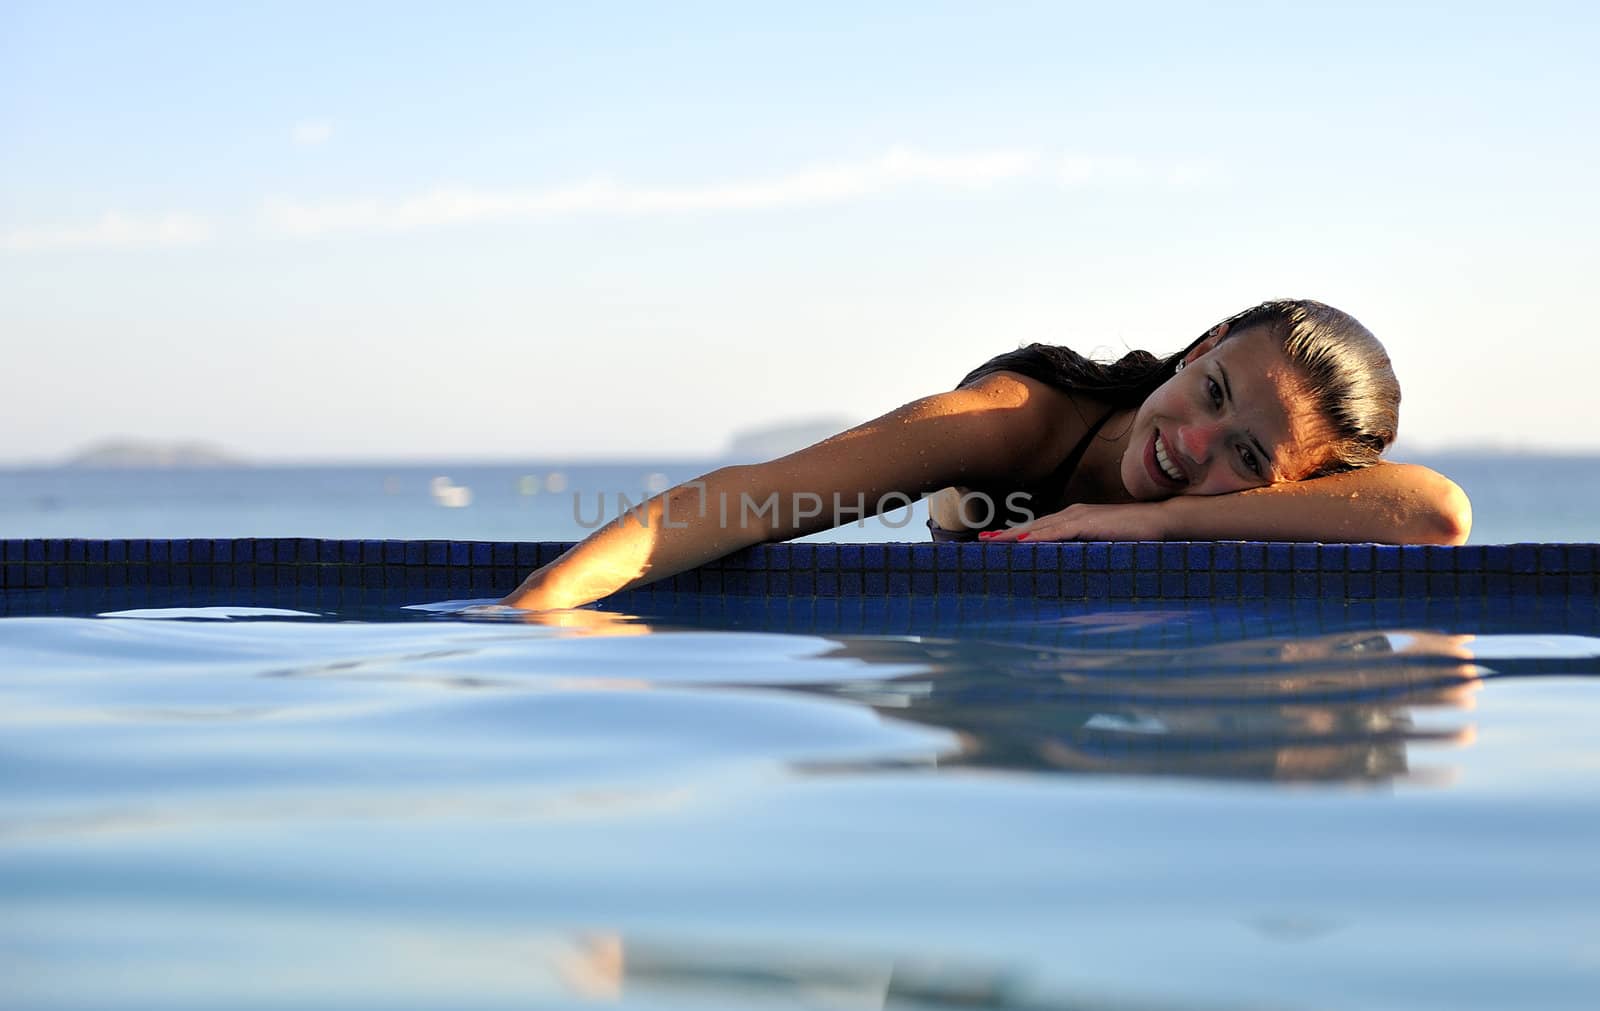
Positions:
(1099, 475)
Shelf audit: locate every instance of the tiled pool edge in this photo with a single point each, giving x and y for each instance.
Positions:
(1170, 570)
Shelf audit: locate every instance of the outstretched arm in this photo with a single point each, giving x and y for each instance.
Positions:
(1000, 427)
(1390, 503)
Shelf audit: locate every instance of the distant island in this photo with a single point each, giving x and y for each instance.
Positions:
(133, 453)
(770, 441)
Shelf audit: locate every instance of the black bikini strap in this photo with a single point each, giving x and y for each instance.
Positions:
(1063, 474)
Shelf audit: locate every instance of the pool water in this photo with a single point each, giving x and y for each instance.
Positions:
(752, 803)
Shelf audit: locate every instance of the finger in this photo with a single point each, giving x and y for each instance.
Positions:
(1015, 533)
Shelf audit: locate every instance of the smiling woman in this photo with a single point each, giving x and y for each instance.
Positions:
(1269, 426)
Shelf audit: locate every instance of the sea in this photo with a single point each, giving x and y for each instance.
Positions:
(1515, 498)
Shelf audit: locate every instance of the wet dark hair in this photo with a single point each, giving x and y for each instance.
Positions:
(1345, 371)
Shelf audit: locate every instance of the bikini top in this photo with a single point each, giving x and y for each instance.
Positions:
(1058, 479)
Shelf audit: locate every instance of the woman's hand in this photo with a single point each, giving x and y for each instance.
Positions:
(1131, 521)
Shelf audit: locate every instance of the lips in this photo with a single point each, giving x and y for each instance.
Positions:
(1153, 465)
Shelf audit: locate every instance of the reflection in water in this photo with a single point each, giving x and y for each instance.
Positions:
(1330, 708)
(605, 967)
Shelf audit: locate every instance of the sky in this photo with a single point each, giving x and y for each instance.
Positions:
(522, 231)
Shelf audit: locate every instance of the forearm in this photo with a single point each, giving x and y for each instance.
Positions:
(677, 530)
(1389, 503)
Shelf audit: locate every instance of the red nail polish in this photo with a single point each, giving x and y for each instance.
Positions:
(1022, 537)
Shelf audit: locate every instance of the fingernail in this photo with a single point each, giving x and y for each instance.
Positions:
(1022, 537)
(984, 535)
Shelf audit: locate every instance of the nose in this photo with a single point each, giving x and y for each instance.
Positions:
(1199, 441)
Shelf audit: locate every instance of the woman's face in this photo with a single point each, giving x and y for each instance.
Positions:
(1234, 418)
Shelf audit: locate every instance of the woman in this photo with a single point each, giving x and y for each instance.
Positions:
(1269, 427)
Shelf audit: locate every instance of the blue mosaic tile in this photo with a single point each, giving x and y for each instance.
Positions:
(1280, 556)
(1252, 555)
(55, 551)
(1173, 555)
(287, 549)
(850, 556)
(1173, 583)
(827, 556)
(923, 582)
(1198, 556)
(117, 552)
(1095, 585)
(1147, 584)
(1280, 583)
(1197, 584)
(874, 584)
(1252, 584)
(1120, 555)
(1147, 556)
(1073, 555)
(34, 550)
(1581, 558)
(1550, 557)
(1359, 557)
(15, 549)
(482, 553)
(183, 551)
(1359, 585)
(1524, 558)
(1120, 583)
(1047, 584)
(1387, 584)
(899, 582)
(1096, 555)
(996, 582)
(1225, 583)
(971, 581)
(1304, 556)
(1020, 584)
(139, 551)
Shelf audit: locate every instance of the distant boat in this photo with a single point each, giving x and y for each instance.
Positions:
(449, 494)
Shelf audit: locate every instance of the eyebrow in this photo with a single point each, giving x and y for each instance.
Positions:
(1227, 388)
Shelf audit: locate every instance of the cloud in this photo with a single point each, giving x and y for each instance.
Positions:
(821, 185)
(310, 132)
(113, 230)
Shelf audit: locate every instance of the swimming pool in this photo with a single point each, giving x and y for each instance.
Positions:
(291, 777)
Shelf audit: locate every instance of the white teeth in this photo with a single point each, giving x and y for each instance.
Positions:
(1167, 466)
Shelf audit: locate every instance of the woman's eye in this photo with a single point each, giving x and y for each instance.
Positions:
(1216, 393)
(1250, 461)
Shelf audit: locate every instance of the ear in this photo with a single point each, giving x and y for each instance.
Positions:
(1212, 340)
